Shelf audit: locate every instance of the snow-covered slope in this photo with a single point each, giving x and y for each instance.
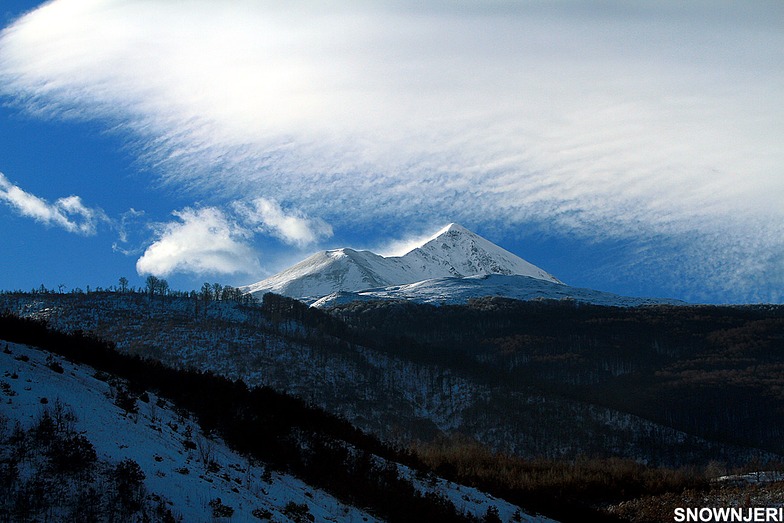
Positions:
(331, 271)
(154, 440)
(176, 473)
(453, 252)
(459, 290)
(457, 252)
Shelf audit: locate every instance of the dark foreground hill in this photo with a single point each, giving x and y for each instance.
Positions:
(50, 468)
(674, 385)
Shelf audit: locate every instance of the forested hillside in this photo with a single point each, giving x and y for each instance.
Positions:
(261, 426)
(716, 372)
(613, 403)
(665, 384)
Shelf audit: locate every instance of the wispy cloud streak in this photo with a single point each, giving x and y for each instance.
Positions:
(292, 226)
(68, 213)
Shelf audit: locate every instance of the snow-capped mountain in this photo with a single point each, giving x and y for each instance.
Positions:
(453, 266)
(453, 252)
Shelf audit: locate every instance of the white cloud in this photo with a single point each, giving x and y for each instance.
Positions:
(401, 246)
(292, 227)
(68, 212)
(202, 241)
(612, 120)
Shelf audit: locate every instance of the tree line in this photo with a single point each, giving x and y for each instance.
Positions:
(156, 287)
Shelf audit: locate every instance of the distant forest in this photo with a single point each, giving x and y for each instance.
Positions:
(713, 371)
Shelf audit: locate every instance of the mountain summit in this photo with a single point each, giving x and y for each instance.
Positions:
(453, 252)
(461, 253)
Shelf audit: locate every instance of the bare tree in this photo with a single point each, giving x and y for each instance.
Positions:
(151, 285)
(206, 450)
(163, 287)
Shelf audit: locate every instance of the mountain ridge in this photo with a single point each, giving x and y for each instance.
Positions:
(453, 252)
(451, 267)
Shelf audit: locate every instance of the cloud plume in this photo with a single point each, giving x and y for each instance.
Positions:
(292, 227)
(201, 241)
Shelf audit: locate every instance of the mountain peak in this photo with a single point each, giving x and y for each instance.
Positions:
(455, 251)
(451, 228)
(455, 227)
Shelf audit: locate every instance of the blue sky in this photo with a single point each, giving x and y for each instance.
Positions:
(629, 147)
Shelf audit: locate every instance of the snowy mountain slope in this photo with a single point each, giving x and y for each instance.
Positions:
(155, 437)
(452, 252)
(154, 440)
(331, 271)
(460, 290)
(455, 251)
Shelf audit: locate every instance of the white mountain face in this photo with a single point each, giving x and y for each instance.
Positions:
(454, 252)
(457, 252)
(452, 267)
